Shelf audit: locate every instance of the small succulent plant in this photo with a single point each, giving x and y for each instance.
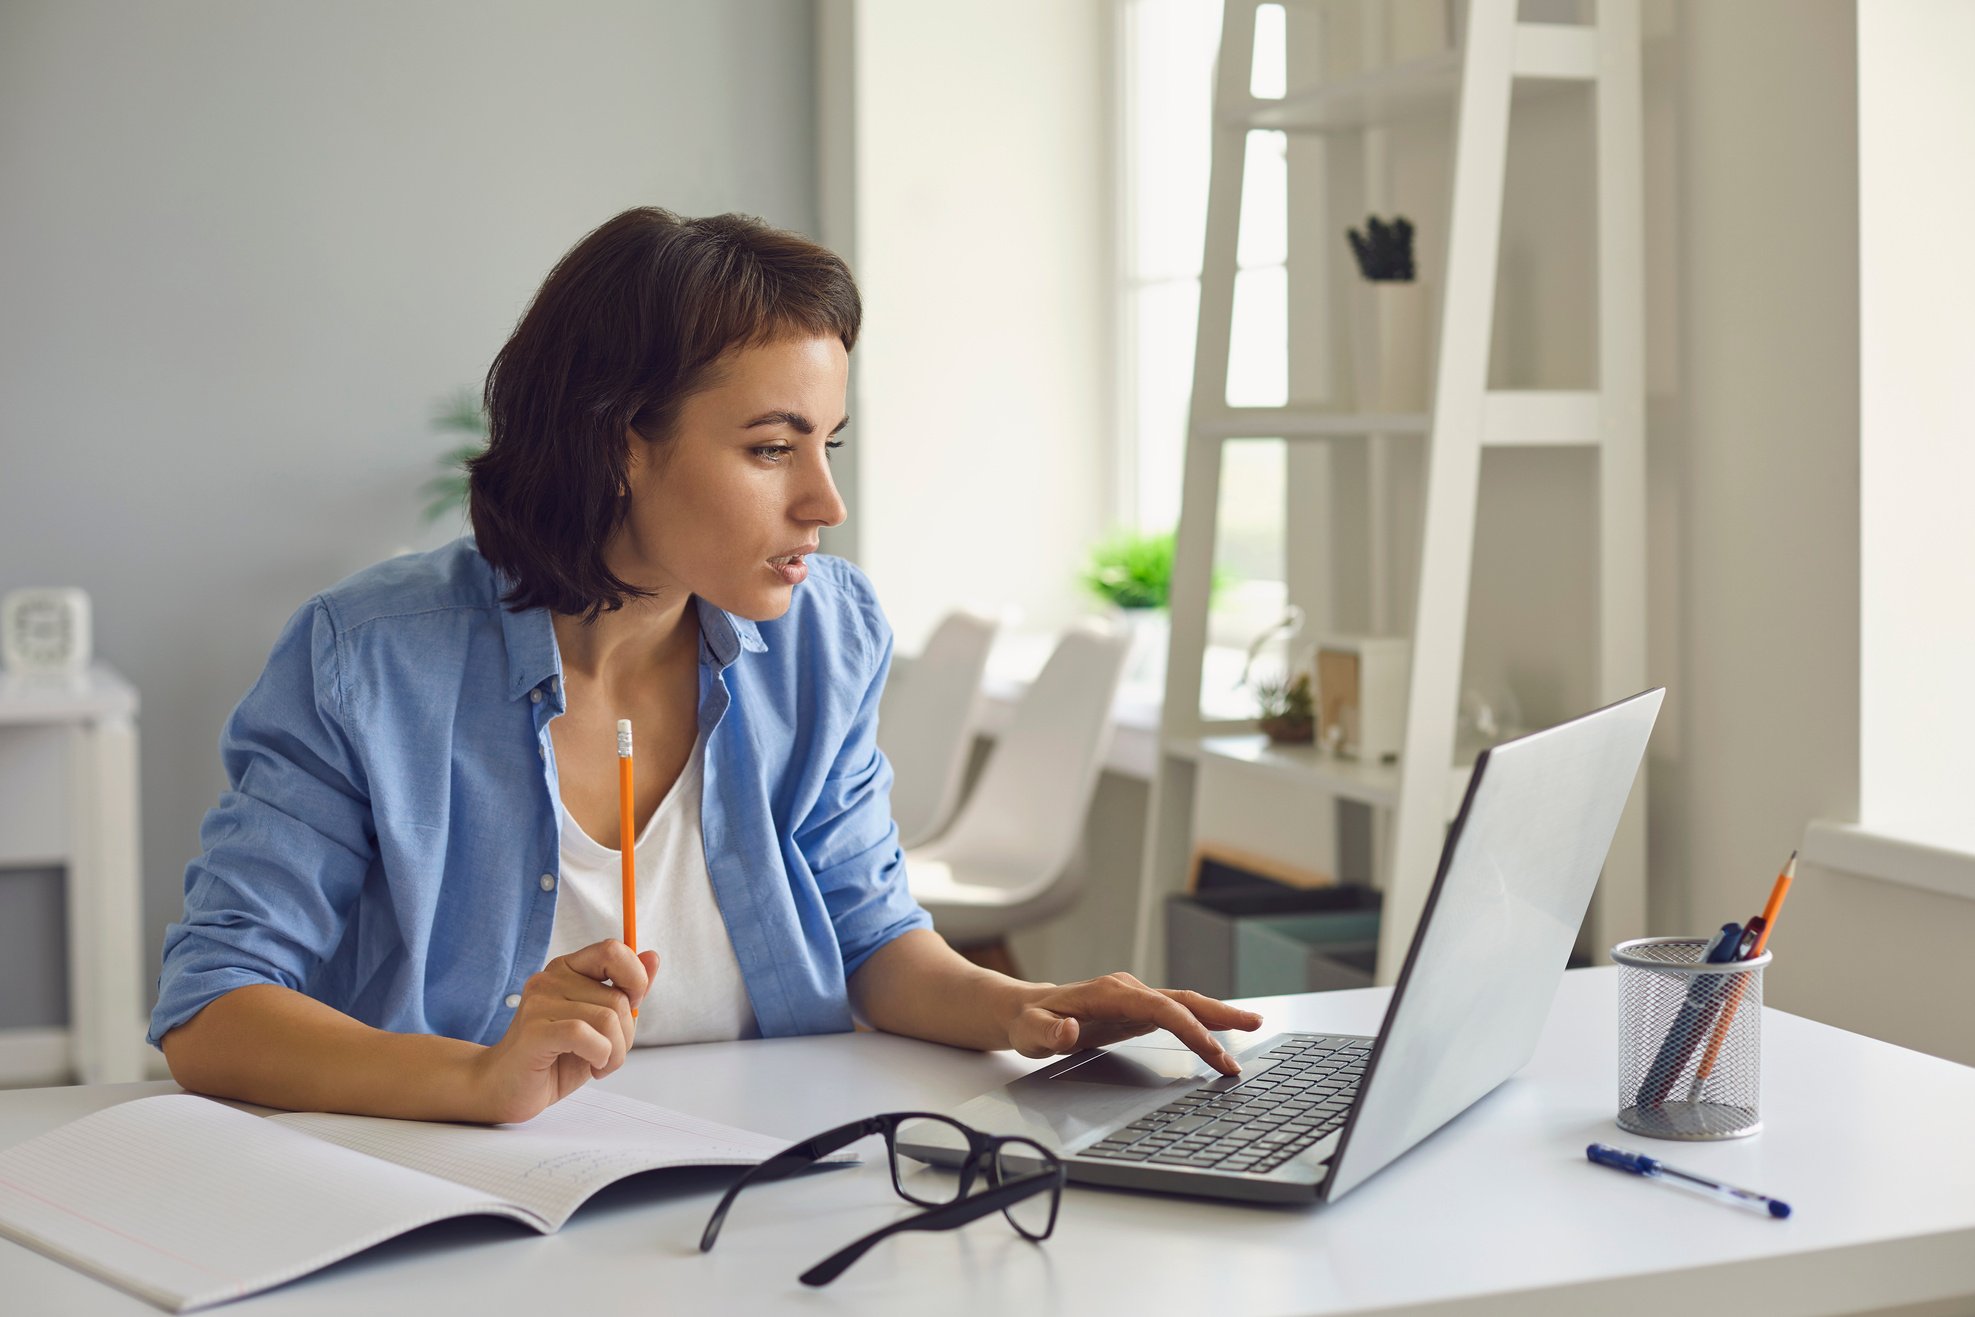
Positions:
(1287, 707)
(1384, 251)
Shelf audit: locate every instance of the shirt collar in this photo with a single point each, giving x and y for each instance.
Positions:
(532, 656)
(723, 636)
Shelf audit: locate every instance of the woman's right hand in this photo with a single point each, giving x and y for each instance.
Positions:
(570, 1028)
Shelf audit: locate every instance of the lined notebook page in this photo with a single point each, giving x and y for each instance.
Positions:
(553, 1163)
(187, 1202)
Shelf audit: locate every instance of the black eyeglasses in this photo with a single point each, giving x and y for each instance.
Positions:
(1024, 1181)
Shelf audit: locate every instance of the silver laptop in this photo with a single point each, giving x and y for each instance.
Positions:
(1311, 1116)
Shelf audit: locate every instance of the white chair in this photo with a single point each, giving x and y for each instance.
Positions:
(1009, 859)
(926, 721)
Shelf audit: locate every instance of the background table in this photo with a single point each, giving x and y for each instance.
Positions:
(1499, 1212)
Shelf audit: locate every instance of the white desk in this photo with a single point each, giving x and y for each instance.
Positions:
(68, 798)
(1497, 1213)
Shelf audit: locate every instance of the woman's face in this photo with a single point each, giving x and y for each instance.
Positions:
(744, 482)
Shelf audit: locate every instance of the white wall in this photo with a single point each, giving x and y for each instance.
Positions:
(984, 246)
(244, 247)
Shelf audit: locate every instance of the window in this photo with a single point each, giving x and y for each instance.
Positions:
(1916, 541)
(1167, 66)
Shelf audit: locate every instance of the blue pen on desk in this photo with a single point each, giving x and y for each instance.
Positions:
(1639, 1163)
(1679, 1042)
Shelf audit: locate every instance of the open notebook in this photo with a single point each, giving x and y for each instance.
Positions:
(189, 1202)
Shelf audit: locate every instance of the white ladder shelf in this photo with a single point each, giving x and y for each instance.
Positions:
(1474, 83)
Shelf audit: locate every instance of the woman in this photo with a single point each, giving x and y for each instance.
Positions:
(406, 899)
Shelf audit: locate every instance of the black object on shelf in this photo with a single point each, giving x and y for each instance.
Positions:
(1384, 251)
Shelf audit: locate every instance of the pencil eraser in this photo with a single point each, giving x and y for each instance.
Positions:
(623, 726)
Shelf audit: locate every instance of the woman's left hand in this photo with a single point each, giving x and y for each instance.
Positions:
(1097, 1012)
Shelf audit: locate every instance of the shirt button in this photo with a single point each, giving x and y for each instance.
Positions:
(548, 882)
(543, 751)
(513, 1000)
(534, 697)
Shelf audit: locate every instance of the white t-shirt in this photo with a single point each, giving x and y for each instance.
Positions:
(698, 995)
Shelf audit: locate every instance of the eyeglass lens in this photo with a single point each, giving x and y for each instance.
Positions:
(1017, 1159)
(935, 1190)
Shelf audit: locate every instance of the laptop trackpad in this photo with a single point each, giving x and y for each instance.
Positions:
(1137, 1067)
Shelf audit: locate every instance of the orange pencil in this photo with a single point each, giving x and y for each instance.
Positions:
(1769, 913)
(627, 820)
(1775, 906)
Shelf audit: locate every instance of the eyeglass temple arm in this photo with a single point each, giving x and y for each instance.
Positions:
(786, 1163)
(949, 1217)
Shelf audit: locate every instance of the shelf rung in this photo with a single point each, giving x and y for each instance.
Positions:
(1510, 418)
(1399, 91)
(1428, 84)
(1559, 51)
(1520, 418)
(1305, 423)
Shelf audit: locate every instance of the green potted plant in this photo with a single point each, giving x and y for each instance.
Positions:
(1133, 573)
(459, 414)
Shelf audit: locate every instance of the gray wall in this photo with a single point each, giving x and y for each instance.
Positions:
(245, 247)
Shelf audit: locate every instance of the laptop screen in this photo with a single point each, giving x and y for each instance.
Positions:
(1515, 879)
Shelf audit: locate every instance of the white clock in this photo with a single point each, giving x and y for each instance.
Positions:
(44, 631)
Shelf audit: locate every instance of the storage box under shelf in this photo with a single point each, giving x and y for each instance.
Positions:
(1212, 936)
(1303, 953)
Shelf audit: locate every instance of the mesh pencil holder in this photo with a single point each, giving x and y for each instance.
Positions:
(1689, 1040)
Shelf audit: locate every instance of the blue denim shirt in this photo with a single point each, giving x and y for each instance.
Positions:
(388, 843)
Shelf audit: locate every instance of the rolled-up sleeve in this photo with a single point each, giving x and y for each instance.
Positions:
(849, 837)
(286, 850)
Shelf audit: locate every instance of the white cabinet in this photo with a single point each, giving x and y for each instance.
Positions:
(68, 798)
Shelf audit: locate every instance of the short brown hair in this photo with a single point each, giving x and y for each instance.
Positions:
(622, 332)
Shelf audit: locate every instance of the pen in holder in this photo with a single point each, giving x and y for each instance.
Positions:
(1689, 1040)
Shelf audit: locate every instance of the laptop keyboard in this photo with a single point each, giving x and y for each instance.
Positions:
(1258, 1124)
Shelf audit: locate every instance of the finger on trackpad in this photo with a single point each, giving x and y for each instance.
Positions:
(1138, 1067)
